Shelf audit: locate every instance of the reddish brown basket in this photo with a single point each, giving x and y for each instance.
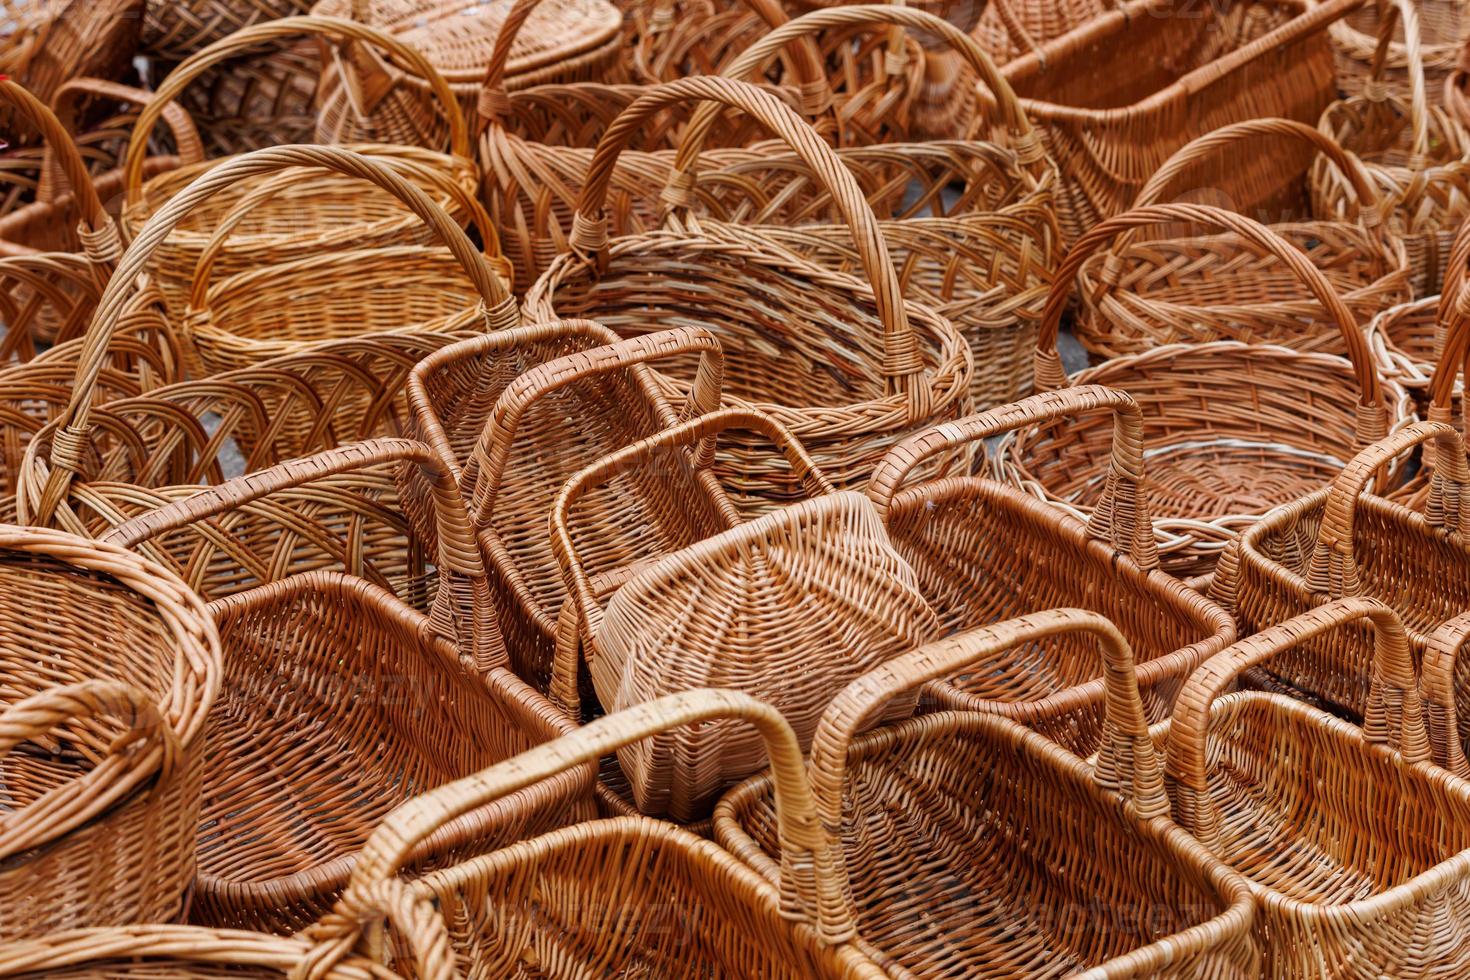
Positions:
(1354, 847)
(1413, 149)
(1123, 92)
(631, 895)
(1231, 430)
(1357, 44)
(309, 220)
(1009, 28)
(515, 414)
(984, 551)
(754, 608)
(848, 365)
(48, 42)
(1193, 288)
(973, 844)
(109, 671)
(1341, 541)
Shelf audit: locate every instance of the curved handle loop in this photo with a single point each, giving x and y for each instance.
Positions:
(257, 196)
(494, 100)
(1438, 684)
(1372, 421)
(149, 746)
(193, 66)
(188, 146)
(1333, 570)
(1025, 139)
(462, 608)
(1370, 203)
(1127, 762)
(812, 890)
(1394, 716)
(492, 451)
(1376, 90)
(903, 368)
(413, 917)
(63, 149)
(73, 424)
(1121, 518)
(702, 431)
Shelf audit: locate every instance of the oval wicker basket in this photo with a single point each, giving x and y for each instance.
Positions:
(267, 312)
(848, 365)
(1137, 296)
(109, 671)
(313, 220)
(964, 535)
(1413, 150)
(1348, 838)
(751, 609)
(1340, 541)
(682, 906)
(1231, 430)
(974, 843)
(365, 98)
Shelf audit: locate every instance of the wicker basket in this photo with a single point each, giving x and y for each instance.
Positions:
(1354, 847)
(109, 671)
(1137, 296)
(167, 952)
(271, 311)
(177, 29)
(365, 98)
(1414, 150)
(848, 365)
(1340, 541)
(517, 413)
(1231, 430)
(964, 536)
(976, 848)
(753, 609)
(308, 221)
(38, 212)
(1009, 28)
(47, 42)
(1122, 93)
(629, 896)
(1363, 63)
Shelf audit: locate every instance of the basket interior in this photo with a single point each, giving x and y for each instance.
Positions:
(984, 553)
(1311, 813)
(974, 851)
(1113, 63)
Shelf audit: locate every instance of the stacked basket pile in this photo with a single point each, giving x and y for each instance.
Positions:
(571, 488)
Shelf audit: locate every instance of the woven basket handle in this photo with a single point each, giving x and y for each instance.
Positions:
(99, 234)
(903, 368)
(266, 190)
(701, 431)
(1372, 421)
(74, 424)
(1025, 139)
(1376, 90)
(486, 467)
(461, 612)
(243, 40)
(1394, 716)
(149, 747)
(1127, 763)
(811, 889)
(1438, 684)
(1121, 518)
(1371, 205)
(1334, 568)
(188, 145)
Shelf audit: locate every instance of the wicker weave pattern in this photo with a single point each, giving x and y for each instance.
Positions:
(1357, 47)
(984, 552)
(684, 907)
(972, 843)
(1231, 429)
(1356, 851)
(751, 609)
(180, 28)
(110, 667)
